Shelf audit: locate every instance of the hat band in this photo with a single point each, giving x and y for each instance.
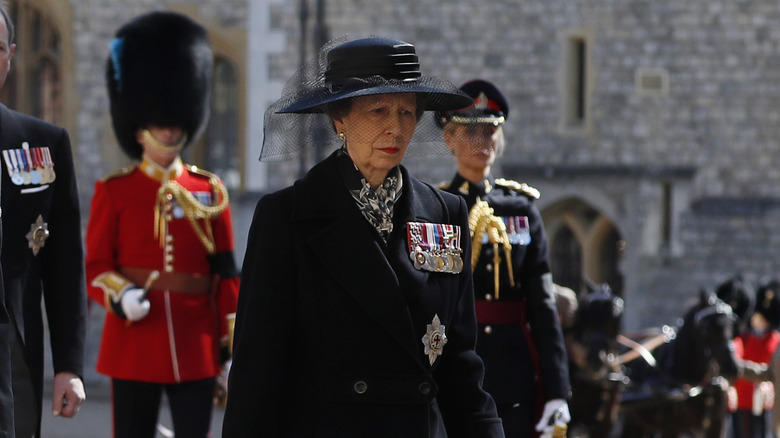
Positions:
(486, 120)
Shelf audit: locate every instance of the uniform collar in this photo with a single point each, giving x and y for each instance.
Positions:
(159, 173)
(467, 188)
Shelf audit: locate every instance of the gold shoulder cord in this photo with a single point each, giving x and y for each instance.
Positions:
(482, 221)
(193, 211)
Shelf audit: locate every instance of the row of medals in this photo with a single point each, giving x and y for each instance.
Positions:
(443, 260)
(42, 174)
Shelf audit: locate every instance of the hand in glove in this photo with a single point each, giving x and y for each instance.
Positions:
(131, 306)
(546, 424)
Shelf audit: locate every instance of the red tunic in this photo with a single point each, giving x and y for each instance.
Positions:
(179, 339)
(757, 349)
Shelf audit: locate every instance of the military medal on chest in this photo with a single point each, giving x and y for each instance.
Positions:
(518, 230)
(435, 247)
(434, 339)
(29, 166)
(39, 232)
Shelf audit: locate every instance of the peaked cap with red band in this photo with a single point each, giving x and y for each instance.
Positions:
(490, 106)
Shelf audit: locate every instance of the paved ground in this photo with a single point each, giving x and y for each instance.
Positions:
(94, 417)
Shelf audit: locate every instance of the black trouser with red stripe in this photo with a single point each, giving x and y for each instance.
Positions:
(136, 406)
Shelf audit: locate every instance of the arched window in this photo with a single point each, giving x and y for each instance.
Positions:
(611, 255)
(34, 84)
(222, 133)
(566, 259)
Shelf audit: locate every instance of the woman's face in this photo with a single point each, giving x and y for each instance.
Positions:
(474, 145)
(377, 130)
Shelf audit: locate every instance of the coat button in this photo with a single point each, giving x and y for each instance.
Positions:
(360, 387)
(425, 388)
(488, 329)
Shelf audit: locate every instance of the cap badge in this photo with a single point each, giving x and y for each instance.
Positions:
(434, 339)
(39, 232)
(435, 247)
(481, 102)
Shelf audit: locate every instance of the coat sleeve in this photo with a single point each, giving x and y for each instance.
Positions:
(467, 409)
(102, 235)
(535, 277)
(224, 266)
(264, 321)
(63, 267)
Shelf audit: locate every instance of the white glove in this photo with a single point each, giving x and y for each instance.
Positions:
(546, 424)
(133, 306)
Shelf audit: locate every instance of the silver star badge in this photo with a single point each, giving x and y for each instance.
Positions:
(434, 339)
(39, 232)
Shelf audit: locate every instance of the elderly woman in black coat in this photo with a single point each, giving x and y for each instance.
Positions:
(356, 309)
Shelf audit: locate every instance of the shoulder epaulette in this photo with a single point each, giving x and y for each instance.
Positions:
(523, 188)
(119, 173)
(200, 172)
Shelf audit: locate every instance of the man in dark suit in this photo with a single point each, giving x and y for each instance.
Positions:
(42, 258)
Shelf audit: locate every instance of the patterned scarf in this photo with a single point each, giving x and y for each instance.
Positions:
(377, 205)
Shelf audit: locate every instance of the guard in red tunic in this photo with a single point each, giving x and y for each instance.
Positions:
(160, 240)
(757, 344)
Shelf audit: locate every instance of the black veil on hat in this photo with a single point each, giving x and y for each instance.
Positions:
(159, 73)
(343, 70)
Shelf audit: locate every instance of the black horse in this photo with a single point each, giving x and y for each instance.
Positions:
(685, 393)
(596, 375)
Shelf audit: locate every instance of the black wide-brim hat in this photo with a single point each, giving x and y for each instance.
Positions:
(372, 66)
(159, 73)
(300, 120)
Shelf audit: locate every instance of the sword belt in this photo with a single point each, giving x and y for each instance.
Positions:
(500, 312)
(170, 281)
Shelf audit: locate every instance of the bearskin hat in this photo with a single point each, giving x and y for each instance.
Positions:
(739, 294)
(768, 303)
(159, 73)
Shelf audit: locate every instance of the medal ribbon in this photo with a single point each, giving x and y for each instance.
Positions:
(9, 163)
(435, 247)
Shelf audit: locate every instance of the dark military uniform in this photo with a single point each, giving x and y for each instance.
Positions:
(42, 250)
(519, 337)
(6, 397)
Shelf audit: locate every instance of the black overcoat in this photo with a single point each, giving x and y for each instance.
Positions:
(56, 273)
(6, 396)
(330, 323)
